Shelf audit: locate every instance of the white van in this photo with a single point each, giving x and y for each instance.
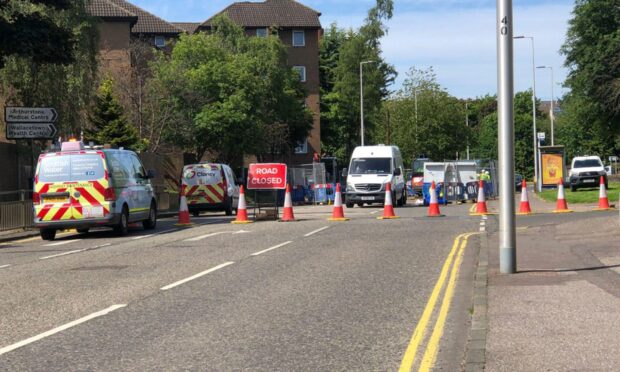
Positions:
(210, 187)
(371, 168)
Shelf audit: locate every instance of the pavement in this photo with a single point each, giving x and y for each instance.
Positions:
(559, 312)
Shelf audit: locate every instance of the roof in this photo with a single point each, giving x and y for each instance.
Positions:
(106, 9)
(189, 27)
(147, 23)
(281, 13)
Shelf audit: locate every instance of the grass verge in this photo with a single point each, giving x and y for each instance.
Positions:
(584, 195)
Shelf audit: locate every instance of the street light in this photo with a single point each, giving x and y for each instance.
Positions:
(538, 185)
(552, 116)
(362, 98)
(467, 125)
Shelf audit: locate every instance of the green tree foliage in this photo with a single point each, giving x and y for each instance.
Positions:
(234, 95)
(30, 29)
(57, 74)
(592, 51)
(436, 129)
(340, 80)
(109, 124)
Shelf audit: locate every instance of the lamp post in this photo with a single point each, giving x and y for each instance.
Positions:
(552, 115)
(467, 125)
(538, 186)
(362, 98)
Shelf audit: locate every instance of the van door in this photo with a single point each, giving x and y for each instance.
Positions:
(233, 188)
(144, 189)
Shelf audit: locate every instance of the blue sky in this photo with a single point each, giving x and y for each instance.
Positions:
(455, 37)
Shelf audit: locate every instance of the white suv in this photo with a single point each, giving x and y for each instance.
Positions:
(586, 172)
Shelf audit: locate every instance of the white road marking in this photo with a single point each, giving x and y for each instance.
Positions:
(272, 248)
(100, 246)
(4, 266)
(375, 212)
(482, 229)
(62, 243)
(169, 286)
(155, 234)
(241, 232)
(62, 254)
(316, 231)
(204, 236)
(142, 237)
(74, 323)
(485, 217)
(482, 223)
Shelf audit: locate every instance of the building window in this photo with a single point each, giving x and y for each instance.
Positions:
(261, 32)
(301, 70)
(160, 41)
(299, 39)
(302, 147)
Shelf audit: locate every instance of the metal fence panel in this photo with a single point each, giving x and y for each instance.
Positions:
(16, 215)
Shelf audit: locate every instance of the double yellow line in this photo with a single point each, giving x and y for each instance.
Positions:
(430, 355)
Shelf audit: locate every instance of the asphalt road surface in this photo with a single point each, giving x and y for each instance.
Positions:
(309, 295)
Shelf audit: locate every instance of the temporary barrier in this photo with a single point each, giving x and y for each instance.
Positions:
(439, 190)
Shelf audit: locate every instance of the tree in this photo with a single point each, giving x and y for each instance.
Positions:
(30, 29)
(36, 76)
(592, 50)
(340, 113)
(109, 124)
(234, 95)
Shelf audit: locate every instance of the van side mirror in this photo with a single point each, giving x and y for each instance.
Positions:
(397, 172)
(345, 172)
(150, 174)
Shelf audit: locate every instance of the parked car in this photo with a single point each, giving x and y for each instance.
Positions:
(210, 187)
(586, 172)
(81, 188)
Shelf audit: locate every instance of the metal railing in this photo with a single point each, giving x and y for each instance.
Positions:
(16, 210)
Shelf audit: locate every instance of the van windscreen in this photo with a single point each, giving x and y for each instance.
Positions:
(371, 166)
(71, 167)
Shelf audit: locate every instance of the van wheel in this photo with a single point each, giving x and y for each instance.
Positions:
(399, 201)
(360, 205)
(48, 234)
(83, 231)
(151, 222)
(349, 205)
(196, 213)
(123, 224)
(404, 199)
(228, 207)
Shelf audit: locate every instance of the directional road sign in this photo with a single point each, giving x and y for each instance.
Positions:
(30, 115)
(30, 130)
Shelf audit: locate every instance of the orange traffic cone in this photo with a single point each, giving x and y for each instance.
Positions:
(184, 220)
(524, 207)
(481, 205)
(338, 211)
(388, 208)
(242, 209)
(287, 215)
(561, 206)
(433, 207)
(603, 201)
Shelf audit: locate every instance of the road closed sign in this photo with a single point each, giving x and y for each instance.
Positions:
(267, 176)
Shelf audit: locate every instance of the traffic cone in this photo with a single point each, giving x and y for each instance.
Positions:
(524, 207)
(433, 207)
(388, 208)
(242, 209)
(561, 206)
(603, 201)
(481, 204)
(338, 211)
(287, 214)
(184, 220)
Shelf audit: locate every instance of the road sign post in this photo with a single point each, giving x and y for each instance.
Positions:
(505, 93)
(30, 122)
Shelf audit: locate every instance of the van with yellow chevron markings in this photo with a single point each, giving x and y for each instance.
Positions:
(210, 187)
(83, 188)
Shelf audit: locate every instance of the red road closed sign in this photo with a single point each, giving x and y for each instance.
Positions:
(267, 176)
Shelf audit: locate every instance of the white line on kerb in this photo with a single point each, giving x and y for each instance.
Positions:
(482, 228)
(62, 254)
(62, 243)
(4, 266)
(272, 248)
(196, 276)
(204, 236)
(316, 231)
(30, 340)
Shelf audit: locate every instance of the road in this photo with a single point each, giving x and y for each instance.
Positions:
(307, 295)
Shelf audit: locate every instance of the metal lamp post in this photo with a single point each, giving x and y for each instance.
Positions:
(362, 98)
(536, 172)
(552, 115)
